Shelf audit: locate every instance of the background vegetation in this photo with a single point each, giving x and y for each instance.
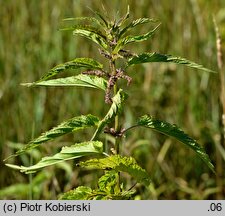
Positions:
(30, 44)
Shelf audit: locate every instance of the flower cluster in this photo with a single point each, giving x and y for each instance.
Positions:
(112, 79)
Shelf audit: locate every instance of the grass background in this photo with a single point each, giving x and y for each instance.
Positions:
(30, 44)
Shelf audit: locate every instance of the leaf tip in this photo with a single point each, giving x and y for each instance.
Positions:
(28, 84)
(13, 166)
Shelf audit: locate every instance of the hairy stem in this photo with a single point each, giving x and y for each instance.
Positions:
(116, 123)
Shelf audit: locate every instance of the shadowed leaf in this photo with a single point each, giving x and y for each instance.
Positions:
(175, 132)
(134, 24)
(80, 19)
(101, 17)
(130, 39)
(67, 153)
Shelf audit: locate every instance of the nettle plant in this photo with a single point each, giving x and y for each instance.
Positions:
(112, 38)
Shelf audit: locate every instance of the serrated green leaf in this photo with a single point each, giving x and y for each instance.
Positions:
(157, 57)
(89, 32)
(88, 63)
(86, 193)
(115, 108)
(108, 182)
(134, 24)
(119, 164)
(67, 153)
(175, 132)
(80, 80)
(80, 193)
(71, 125)
(130, 39)
(139, 38)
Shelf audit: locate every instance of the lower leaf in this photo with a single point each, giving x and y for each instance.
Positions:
(86, 193)
(108, 182)
(119, 164)
(175, 132)
(80, 193)
(67, 153)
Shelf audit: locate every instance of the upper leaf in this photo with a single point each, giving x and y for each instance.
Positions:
(71, 125)
(134, 24)
(124, 18)
(80, 80)
(130, 39)
(89, 32)
(175, 132)
(115, 108)
(157, 57)
(88, 63)
(103, 21)
(93, 20)
(119, 164)
(67, 153)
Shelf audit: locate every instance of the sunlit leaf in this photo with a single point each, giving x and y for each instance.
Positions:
(80, 80)
(175, 132)
(92, 34)
(109, 182)
(157, 57)
(86, 193)
(115, 108)
(80, 193)
(119, 164)
(67, 153)
(71, 125)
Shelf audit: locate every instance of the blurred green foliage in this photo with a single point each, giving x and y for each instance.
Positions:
(30, 44)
